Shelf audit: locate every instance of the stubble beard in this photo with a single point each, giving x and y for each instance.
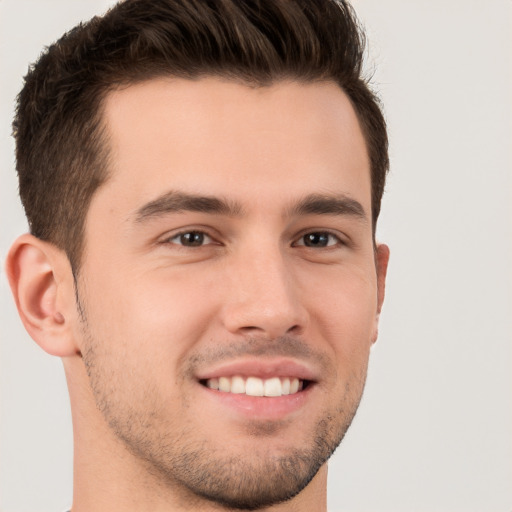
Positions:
(197, 470)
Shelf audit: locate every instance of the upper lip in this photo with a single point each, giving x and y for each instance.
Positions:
(261, 368)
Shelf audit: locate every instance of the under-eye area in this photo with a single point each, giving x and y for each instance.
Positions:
(255, 386)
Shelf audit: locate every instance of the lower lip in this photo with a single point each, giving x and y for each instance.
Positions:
(261, 407)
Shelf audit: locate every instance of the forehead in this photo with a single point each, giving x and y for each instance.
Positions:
(211, 136)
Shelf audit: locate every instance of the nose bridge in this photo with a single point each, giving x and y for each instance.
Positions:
(263, 296)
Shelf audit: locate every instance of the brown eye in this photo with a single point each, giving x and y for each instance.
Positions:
(318, 239)
(191, 239)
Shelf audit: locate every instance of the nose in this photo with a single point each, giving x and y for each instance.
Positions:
(262, 296)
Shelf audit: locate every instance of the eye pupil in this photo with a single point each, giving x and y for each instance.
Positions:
(192, 239)
(316, 240)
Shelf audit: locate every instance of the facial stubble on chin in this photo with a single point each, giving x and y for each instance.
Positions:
(198, 470)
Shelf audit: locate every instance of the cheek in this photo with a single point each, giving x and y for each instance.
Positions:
(131, 349)
(148, 319)
(345, 312)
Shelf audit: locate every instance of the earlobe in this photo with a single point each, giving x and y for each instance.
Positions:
(37, 276)
(381, 262)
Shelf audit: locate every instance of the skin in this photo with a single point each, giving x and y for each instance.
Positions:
(156, 317)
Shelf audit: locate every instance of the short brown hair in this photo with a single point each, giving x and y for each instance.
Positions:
(62, 155)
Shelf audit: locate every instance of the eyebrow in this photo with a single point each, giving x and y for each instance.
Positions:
(312, 204)
(177, 202)
(339, 204)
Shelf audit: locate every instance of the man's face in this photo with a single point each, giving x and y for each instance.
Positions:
(231, 248)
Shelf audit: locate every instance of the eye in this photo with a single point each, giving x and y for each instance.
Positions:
(319, 239)
(191, 239)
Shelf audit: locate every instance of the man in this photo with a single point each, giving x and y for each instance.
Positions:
(202, 182)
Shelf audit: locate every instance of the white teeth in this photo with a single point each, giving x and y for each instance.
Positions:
(254, 386)
(286, 386)
(273, 387)
(294, 386)
(224, 384)
(237, 385)
(213, 383)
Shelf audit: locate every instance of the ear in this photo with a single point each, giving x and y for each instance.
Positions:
(381, 263)
(42, 284)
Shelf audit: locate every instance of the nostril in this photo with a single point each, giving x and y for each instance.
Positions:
(271, 331)
(251, 328)
(295, 329)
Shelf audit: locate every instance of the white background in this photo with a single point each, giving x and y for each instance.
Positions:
(434, 431)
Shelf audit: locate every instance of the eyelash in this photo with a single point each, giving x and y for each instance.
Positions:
(330, 236)
(203, 234)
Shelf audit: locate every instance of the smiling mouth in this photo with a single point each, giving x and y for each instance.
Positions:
(254, 386)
